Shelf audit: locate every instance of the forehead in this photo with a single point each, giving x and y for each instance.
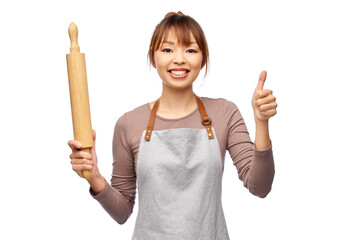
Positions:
(179, 37)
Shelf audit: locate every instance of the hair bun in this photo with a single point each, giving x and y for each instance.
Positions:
(174, 13)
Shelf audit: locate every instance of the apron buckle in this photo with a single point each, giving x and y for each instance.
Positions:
(206, 123)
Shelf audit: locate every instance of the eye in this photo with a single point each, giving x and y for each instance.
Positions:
(191, 51)
(166, 50)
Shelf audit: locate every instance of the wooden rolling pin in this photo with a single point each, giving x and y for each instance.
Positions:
(79, 95)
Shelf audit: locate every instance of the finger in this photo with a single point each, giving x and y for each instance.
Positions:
(269, 113)
(267, 107)
(80, 173)
(80, 155)
(268, 99)
(81, 167)
(261, 81)
(74, 145)
(263, 93)
(77, 161)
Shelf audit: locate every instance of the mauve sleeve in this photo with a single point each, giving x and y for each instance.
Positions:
(119, 198)
(255, 168)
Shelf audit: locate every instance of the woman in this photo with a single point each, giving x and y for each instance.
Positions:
(173, 149)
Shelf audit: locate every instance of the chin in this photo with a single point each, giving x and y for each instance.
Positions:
(177, 86)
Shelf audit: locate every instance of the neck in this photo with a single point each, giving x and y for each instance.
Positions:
(174, 100)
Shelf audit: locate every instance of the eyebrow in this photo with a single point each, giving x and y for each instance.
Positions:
(169, 42)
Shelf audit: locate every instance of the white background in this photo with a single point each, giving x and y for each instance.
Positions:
(309, 48)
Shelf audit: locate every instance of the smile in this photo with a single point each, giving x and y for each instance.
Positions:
(178, 73)
(181, 73)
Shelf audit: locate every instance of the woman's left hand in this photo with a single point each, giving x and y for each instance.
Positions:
(263, 101)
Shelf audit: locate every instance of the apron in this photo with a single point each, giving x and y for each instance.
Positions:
(179, 179)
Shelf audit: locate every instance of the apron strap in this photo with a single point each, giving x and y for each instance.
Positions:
(205, 120)
(152, 120)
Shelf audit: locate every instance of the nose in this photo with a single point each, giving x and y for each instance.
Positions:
(179, 57)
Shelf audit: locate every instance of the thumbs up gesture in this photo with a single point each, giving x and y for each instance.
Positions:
(263, 102)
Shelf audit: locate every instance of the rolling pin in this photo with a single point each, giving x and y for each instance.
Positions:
(79, 96)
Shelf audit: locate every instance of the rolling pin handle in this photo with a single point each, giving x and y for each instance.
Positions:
(73, 34)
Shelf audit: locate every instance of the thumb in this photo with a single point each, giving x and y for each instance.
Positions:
(261, 82)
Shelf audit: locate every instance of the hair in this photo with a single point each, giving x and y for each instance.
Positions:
(182, 26)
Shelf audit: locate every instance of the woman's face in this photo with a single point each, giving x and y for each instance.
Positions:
(178, 65)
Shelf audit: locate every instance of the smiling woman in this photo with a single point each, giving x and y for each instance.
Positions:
(173, 149)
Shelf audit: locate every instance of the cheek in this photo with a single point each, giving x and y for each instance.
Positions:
(197, 61)
(155, 61)
(160, 61)
(159, 65)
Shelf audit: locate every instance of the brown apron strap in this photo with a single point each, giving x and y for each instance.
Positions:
(205, 120)
(152, 120)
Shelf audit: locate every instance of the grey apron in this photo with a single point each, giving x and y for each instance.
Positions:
(179, 177)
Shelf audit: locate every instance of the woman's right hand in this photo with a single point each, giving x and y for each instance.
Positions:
(81, 160)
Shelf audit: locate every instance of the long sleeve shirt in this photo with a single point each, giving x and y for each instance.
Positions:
(255, 168)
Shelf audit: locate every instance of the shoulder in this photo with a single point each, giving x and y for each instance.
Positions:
(222, 110)
(139, 112)
(219, 104)
(134, 119)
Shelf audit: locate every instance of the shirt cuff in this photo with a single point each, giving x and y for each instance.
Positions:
(102, 193)
(261, 153)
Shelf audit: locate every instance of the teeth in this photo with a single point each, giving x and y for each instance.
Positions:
(178, 72)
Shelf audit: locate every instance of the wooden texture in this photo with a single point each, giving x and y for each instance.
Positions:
(79, 96)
